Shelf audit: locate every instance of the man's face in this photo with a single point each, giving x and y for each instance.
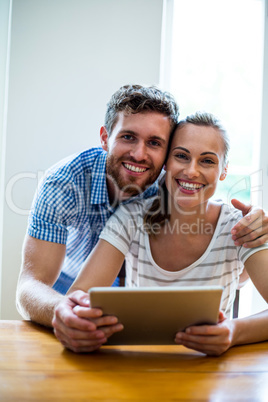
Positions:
(136, 149)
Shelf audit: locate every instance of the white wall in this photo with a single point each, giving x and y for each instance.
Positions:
(5, 23)
(66, 59)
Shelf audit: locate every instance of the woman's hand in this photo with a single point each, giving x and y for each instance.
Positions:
(212, 340)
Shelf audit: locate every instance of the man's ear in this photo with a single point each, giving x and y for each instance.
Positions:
(224, 172)
(104, 138)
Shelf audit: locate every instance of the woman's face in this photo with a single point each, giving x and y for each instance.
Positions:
(194, 165)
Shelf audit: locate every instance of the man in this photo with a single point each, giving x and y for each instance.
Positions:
(77, 197)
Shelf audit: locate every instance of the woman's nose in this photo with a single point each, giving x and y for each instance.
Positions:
(191, 170)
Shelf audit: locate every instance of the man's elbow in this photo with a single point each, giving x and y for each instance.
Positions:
(21, 299)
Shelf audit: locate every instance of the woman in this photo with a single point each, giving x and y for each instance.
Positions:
(182, 238)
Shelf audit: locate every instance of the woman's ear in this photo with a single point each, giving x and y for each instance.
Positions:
(224, 172)
(104, 138)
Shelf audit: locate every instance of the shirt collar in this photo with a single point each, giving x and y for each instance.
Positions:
(99, 191)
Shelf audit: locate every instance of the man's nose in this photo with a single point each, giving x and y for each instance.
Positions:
(139, 151)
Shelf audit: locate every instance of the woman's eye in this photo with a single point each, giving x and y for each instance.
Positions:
(209, 161)
(181, 156)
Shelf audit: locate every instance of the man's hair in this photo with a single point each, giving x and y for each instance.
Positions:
(133, 99)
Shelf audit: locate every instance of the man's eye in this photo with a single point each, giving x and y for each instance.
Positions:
(154, 143)
(127, 137)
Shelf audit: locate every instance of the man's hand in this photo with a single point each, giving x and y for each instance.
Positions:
(212, 340)
(81, 328)
(252, 230)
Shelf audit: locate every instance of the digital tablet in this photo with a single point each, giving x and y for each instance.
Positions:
(152, 316)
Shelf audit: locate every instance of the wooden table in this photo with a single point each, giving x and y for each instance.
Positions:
(35, 367)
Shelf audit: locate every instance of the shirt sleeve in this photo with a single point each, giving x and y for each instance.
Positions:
(54, 207)
(245, 253)
(122, 226)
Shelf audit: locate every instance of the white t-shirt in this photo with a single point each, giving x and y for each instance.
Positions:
(221, 264)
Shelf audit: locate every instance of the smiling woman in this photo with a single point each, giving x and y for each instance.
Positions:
(197, 160)
(190, 255)
(196, 164)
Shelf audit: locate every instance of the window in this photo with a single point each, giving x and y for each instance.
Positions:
(212, 60)
(216, 63)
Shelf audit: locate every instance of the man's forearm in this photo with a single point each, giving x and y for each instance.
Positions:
(37, 301)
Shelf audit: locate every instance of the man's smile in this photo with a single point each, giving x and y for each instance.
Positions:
(133, 168)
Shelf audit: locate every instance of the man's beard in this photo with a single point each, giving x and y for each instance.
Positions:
(128, 186)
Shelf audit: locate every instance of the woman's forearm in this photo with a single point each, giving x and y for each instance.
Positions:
(250, 329)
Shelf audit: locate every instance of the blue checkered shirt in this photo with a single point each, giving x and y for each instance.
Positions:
(71, 207)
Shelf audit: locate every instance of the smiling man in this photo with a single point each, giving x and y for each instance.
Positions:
(78, 195)
(136, 150)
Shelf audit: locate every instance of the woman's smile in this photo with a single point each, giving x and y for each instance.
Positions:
(189, 187)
